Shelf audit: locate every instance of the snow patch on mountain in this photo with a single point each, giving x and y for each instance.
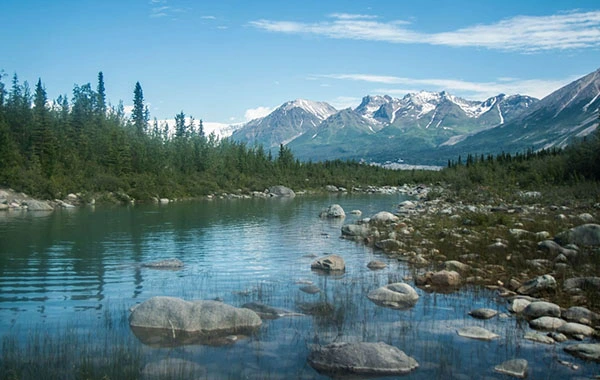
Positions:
(321, 110)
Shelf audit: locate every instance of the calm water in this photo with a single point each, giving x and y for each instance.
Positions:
(78, 267)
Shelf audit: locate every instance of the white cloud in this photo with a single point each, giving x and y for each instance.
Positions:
(258, 112)
(572, 30)
(473, 90)
(343, 102)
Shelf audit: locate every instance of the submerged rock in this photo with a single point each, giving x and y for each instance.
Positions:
(173, 367)
(476, 332)
(330, 263)
(269, 312)
(160, 318)
(165, 264)
(310, 289)
(366, 359)
(483, 313)
(587, 351)
(514, 367)
(396, 296)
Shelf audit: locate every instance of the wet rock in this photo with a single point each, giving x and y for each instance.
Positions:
(376, 264)
(546, 323)
(457, 266)
(331, 263)
(445, 278)
(587, 351)
(390, 245)
(319, 309)
(356, 212)
(310, 289)
(333, 211)
(269, 312)
(586, 234)
(541, 309)
(384, 217)
(165, 264)
(575, 329)
(539, 338)
(281, 191)
(366, 359)
(397, 296)
(514, 368)
(356, 230)
(558, 337)
(483, 313)
(581, 315)
(539, 285)
(163, 317)
(517, 305)
(476, 332)
(35, 205)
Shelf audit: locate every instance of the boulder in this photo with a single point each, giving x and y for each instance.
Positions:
(546, 323)
(207, 318)
(517, 305)
(483, 313)
(582, 283)
(310, 289)
(454, 265)
(587, 351)
(541, 309)
(333, 211)
(581, 315)
(35, 205)
(575, 329)
(165, 264)
(384, 217)
(396, 296)
(539, 338)
(330, 263)
(514, 368)
(476, 332)
(355, 230)
(365, 359)
(390, 245)
(445, 278)
(538, 285)
(585, 234)
(281, 191)
(376, 264)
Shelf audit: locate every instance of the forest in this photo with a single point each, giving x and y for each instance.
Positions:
(83, 144)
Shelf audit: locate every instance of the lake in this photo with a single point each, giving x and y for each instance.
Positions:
(71, 276)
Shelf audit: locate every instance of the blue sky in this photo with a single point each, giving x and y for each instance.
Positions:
(228, 61)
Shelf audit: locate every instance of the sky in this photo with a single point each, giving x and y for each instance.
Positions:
(231, 61)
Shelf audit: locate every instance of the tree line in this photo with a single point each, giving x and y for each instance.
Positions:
(82, 143)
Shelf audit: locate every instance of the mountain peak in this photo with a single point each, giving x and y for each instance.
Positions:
(321, 110)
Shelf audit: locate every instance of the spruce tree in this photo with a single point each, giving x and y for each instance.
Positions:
(101, 96)
(139, 115)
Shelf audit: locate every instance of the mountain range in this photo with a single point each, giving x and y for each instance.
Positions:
(429, 127)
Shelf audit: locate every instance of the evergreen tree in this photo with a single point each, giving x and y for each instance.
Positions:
(101, 96)
(139, 115)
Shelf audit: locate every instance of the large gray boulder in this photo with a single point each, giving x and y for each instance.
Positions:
(204, 318)
(581, 315)
(586, 234)
(546, 323)
(396, 296)
(330, 263)
(366, 359)
(575, 329)
(384, 217)
(356, 230)
(281, 191)
(35, 205)
(582, 283)
(541, 309)
(587, 351)
(538, 285)
(333, 211)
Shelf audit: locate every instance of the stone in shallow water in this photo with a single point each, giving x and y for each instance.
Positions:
(269, 312)
(310, 289)
(573, 329)
(546, 323)
(475, 332)
(514, 367)
(588, 351)
(331, 263)
(375, 264)
(540, 338)
(397, 296)
(367, 359)
(541, 309)
(483, 313)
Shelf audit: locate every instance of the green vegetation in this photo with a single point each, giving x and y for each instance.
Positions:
(50, 149)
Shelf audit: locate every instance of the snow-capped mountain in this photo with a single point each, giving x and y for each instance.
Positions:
(287, 122)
